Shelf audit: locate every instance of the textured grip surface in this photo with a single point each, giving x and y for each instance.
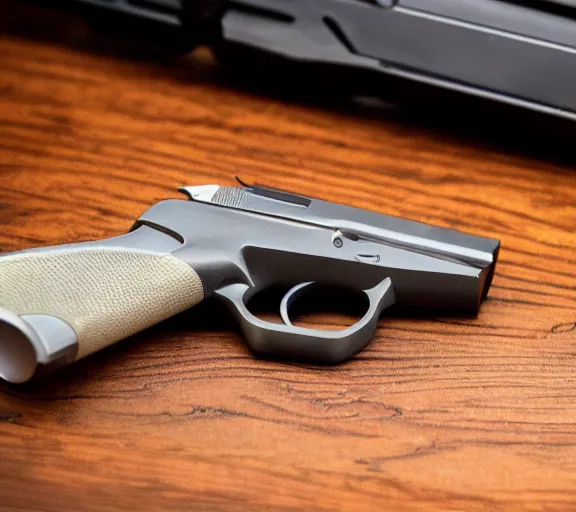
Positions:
(105, 294)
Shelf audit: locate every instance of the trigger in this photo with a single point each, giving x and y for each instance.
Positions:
(289, 299)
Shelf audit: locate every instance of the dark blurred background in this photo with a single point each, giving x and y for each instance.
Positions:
(469, 120)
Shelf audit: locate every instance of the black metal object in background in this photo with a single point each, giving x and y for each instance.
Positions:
(519, 53)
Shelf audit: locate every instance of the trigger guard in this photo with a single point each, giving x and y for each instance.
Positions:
(289, 298)
(328, 347)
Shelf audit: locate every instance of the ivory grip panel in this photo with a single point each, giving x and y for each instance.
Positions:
(104, 293)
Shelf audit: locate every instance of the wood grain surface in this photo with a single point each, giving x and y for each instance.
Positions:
(438, 413)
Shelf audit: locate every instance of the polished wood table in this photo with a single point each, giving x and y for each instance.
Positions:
(439, 412)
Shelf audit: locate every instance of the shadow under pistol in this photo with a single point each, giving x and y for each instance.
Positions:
(60, 304)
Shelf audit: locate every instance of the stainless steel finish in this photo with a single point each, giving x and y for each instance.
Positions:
(290, 298)
(356, 223)
(146, 239)
(269, 237)
(337, 239)
(32, 340)
(203, 193)
(240, 241)
(20, 348)
(329, 347)
(57, 337)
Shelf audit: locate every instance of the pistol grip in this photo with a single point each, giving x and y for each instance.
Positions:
(100, 293)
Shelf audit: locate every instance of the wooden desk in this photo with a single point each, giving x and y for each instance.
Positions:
(438, 413)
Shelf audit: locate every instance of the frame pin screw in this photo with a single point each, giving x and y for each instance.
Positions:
(337, 239)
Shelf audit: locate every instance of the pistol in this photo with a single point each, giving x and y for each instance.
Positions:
(60, 304)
